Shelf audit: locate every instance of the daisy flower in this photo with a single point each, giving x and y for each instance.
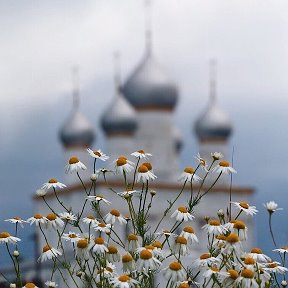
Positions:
(204, 260)
(99, 247)
(90, 220)
(246, 280)
(214, 227)
(274, 267)
(102, 227)
(113, 254)
(123, 281)
(53, 221)
(189, 175)
(272, 207)
(53, 183)
(281, 250)
(129, 193)
(182, 214)
(232, 244)
(224, 167)
(202, 162)
(51, 284)
(180, 246)
(74, 165)
(141, 154)
(48, 252)
(257, 254)
(30, 285)
(144, 174)
(123, 165)
(215, 272)
(114, 215)
(5, 237)
(37, 219)
(98, 199)
(98, 154)
(71, 236)
(128, 263)
(189, 234)
(105, 272)
(68, 216)
(147, 261)
(133, 243)
(174, 272)
(16, 220)
(244, 206)
(232, 276)
(240, 229)
(82, 249)
(166, 233)
(217, 155)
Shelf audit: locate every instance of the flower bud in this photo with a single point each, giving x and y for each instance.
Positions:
(12, 285)
(284, 283)
(93, 177)
(16, 253)
(153, 193)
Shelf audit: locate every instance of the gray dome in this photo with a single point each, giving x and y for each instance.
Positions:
(120, 117)
(213, 124)
(77, 131)
(149, 88)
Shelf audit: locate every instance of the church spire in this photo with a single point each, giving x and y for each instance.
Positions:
(212, 80)
(75, 91)
(148, 27)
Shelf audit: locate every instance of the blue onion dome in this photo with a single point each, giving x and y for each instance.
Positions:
(119, 118)
(177, 139)
(213, 124)
(148, 88)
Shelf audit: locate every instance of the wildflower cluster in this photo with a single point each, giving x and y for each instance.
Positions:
(86, 246)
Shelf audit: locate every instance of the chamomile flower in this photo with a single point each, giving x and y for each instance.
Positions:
(128, 263)
(68, 216)
(180, 246)
(53, 183)
(129, 193)
(174, 272)
(38, 219)
(217, 155)
(53, 221)
(16, 220)
(182, 214)
(123, 165)
(245, 207)
(114, 215)
(99, 246)
(202, 162)
(258, 255)
(123, 281)
(214, 227)
(90, 220)
(166, 233)
(98, 199)
(274, 267)
(240, 229)
(48, 252)
(71, 236)
(30, 285)
(215, 272)
(189, 175)
(133, 242)
(102, 227)
(232, 244)
(205, 260)
(246, 279)
(144, 174)
(189, 234)
(113, 254)
(97, 154)
(83, 248)
(281, 250)
(74, 165)
(147, 261)
(232, 276)
(224, 167)
(5, 237)
(141, 154)
(51, 284)
(105, 272)
(272, 206)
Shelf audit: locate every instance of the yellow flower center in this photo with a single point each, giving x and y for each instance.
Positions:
(30, 285)
(232, 238)
(73, 160)
(99, 241)
(214, 222)
(224, 163)
(184, 285)
(181, 240)
(256, 250)
(90, 217)
(272, 265)
(205, 256)
(53, 180)
(215, 269)
(285, 248)
(109, 269)
(240, 225)
(97, 153)
(249, 261)
(233, 274)
(127, 258)
(247, 273)
(175, 266)
(51, 217)
(189, 170)
(188, 229)
(148, 165)
(145, 254)
(38, 216)
(4, 235)
(182, 209)
(115, 212)
(124, 278)
(221, 237)
(102, 225)
(82, 244)
(112, 249)
(17, 218)
(141, 151)
(244, 205)
(132, 237)
(143, 169)
(72, 235)
(121, 162)
(122, 157)
(150, 247)
(157, 244)
(46, 248)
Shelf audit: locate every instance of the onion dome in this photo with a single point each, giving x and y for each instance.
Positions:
(214, 124)
(177, 139)
(119, 118)
(77, 130)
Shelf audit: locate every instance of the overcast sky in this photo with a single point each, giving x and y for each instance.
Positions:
(42, 40)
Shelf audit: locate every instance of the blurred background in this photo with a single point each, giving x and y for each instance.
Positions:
(42, 40)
